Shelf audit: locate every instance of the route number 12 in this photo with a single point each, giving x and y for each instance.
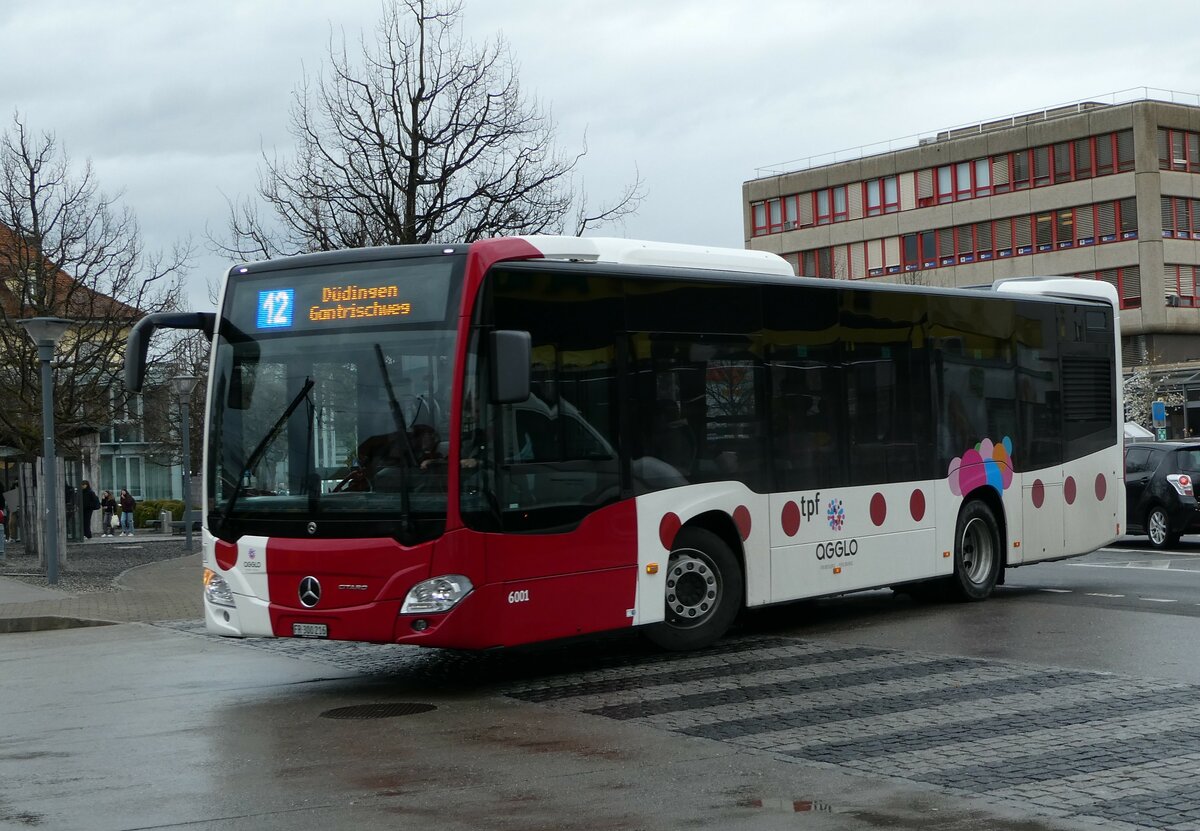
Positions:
(276, 308)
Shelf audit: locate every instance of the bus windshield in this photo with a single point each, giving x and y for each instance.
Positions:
(333, 422)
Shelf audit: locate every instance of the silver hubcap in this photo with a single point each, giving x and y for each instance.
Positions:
(693, 588)
(978, 551)
(1158, 527)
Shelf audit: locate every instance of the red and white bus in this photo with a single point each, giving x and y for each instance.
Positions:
(523, 439)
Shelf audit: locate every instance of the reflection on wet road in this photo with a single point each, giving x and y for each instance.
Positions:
(1095, 746)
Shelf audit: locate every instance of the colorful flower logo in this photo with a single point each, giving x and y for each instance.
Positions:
(835, 514)
(985, 464)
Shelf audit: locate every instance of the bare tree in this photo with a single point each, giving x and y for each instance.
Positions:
(416, 137)
(68, 250)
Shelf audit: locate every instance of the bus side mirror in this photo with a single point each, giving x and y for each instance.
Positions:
(138, 340)
(511, 359)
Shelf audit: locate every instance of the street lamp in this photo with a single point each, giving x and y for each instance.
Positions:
(184, 384)
(46, 333)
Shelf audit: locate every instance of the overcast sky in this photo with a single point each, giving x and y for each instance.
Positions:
(174, 101)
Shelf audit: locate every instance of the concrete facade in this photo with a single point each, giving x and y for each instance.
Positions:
(1119, 223)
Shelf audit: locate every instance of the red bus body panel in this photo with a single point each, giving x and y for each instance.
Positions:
(528, 588)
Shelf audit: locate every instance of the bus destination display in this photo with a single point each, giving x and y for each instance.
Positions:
(277, 307)
(367, 296)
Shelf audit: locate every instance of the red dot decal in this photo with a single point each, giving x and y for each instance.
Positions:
(878, 509)
(790, 518)
(1038, 493)
(667, 529)
(1069, 490)
(916, 505)
(1101, 487)
(741, 518)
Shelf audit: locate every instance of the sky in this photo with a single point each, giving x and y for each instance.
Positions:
(175, 102)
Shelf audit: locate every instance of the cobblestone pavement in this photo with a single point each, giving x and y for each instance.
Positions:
(1118, 751)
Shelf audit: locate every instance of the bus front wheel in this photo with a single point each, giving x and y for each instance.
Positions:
(704, 590)
(978, 553)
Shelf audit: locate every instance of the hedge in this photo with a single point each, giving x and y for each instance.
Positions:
(149, 509)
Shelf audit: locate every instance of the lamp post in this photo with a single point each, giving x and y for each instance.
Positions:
(184, 384)
(46, 333)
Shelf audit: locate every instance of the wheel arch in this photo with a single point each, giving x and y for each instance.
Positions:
(721, 524)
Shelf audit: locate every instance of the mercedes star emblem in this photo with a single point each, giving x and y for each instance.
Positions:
(310, 592)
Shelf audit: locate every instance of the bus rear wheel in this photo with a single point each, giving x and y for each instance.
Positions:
(704, 588)
(978, 553)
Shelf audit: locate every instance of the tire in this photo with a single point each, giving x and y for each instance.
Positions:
(704, 589)
(978, 553)
(1158, 529)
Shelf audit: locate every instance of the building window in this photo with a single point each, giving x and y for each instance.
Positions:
(1041, 166)
(824, 212)
(831, 205)
(1020, 169)
(840, 209)
(1179, 285)
(1178, 150)
(1127, 281)
(882, 196)
(945, 184)
(1014, 236)
(1062, 162)
(1124, 150)
(1127, 217)
(758, 221)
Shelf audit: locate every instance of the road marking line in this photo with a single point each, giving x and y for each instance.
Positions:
(1156, 600)
(1142, 551)
(1103, 594)
(1132, 566)
(1068, 591)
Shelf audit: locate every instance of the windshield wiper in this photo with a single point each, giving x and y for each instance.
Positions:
(261, 448)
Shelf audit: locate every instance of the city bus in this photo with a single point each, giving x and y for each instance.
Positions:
(523, 439)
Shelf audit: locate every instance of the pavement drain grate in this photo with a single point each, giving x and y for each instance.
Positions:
(362, 711)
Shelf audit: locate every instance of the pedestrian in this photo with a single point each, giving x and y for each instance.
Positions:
(127, 504)
(108, 512)
(4, 511)
(89, 502)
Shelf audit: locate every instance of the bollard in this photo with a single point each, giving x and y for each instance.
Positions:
(164, 522)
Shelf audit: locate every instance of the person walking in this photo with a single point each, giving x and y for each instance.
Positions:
(89, 502)
(108, 510)
(127, 504)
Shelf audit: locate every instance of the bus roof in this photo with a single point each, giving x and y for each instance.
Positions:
(643, 252)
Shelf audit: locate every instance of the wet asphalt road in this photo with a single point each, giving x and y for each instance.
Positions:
(1069, 700)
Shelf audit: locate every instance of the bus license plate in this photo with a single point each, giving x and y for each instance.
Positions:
(310, 630)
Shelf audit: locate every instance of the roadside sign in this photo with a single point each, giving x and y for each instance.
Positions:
(1158, 413)
(1162, 433)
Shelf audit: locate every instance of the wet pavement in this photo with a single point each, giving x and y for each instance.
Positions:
(135, 727)
(851, 725)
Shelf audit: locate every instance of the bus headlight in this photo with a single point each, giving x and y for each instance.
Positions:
(441, 594)
(216, 590)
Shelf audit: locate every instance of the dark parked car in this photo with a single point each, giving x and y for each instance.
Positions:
(1160, 501)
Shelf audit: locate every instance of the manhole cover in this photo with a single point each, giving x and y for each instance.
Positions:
(379, 710)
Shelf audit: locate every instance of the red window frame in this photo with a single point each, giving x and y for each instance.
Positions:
(758, 218)
(884, 204)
